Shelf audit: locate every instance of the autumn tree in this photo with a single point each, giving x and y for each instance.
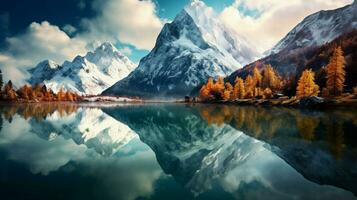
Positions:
(69, 96)
(239, 90)
(10, 93)
(61, 95)
(218, 88)
(335, 71)
(249, 85)
(228, 92)
(205, 93)
(267, 93)
(8, 86)
(257, 78)
(270, 78)
(24, 92)
(306, 85)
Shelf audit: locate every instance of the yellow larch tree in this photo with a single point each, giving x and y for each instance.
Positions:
(239, 90)
(228, 92)
(270, 78)
(335, 71)
(249, 85)
(257, 77)
(205, 92)
(306, 85)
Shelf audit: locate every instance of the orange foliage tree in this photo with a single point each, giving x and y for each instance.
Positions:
(38, 93)
(218, 88)
(249, 85)
(228, 92)
(267, 94)
(213, 90)
(335, 71)
(306, 85)
(257, 77)
(239, 90)
(270, 78)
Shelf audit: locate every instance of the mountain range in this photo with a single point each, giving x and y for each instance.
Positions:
(90, 74)
(196, 45)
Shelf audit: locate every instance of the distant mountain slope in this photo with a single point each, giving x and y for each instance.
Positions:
(195, 46)
(319, 28)
(292, 64)
(90, 75)
(45, 70)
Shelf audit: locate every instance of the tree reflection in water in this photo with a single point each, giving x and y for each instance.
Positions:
(267, 123)
(38, 111)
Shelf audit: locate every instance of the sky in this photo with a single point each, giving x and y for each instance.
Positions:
(35, 30)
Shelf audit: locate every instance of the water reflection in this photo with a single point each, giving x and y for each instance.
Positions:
(179, 152)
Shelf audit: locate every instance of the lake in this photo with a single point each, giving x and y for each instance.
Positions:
(176, 151)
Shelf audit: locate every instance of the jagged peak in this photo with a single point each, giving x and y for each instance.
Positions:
(107, 45)
(104, 50)
(50, 63)
(197, 9)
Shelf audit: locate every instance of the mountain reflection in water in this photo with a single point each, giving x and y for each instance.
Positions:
(175, 151)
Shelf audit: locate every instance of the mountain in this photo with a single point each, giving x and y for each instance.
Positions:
(292, 64)
(319, 28)
(91, 74)
(45, 70)
(195, 46)
(291, 56)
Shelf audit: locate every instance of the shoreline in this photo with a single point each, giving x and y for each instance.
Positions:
(290, 103)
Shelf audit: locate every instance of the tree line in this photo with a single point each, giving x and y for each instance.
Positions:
(38, 93)
(268, 83)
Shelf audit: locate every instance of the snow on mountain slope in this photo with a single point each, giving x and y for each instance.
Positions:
(91, 74)
(217, 34)
(195, 46)
(45, 70)
(319, 28)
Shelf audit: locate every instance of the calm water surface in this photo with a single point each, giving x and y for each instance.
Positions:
(172, 151)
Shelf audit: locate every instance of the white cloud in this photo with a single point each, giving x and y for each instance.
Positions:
(277, 18)
(69, 29)
(40, 41)
(128, 21)
(126, 50)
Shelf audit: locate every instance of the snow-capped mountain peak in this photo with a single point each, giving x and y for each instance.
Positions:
(43, 71)
(90, 74)
(219, 35)
(195, 46)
